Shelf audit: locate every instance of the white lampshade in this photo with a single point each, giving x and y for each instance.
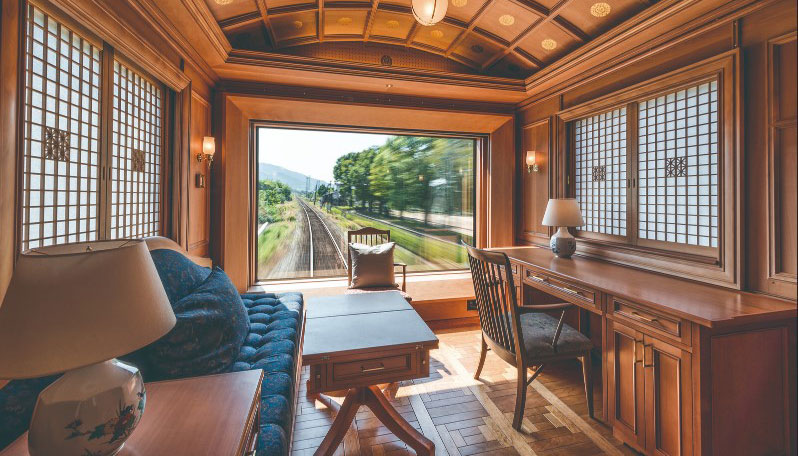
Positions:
(209, 145)
(563, 212)
(429, 12)
(74, 305)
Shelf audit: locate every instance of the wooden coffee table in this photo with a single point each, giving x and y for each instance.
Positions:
(356, 342)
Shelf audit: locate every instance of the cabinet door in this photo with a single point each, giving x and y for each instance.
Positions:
(625, 386)
(668, 402)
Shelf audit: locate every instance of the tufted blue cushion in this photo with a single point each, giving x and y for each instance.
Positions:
(17, 400)
(179, 275)
(271, 345)
(211, 326)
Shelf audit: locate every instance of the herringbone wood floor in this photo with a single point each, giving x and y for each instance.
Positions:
(467, 417)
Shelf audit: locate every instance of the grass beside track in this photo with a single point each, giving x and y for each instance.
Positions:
(277, 234)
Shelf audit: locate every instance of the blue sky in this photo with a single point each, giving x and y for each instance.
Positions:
(309, 152)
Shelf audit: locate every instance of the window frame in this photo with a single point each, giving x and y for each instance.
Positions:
(105, 128)
(719, 265)
(481, 145)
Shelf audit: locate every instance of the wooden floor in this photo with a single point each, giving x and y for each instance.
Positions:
(467, 417)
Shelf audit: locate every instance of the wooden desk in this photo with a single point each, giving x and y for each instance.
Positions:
(355, 342)
(212, 415)
(688, 369)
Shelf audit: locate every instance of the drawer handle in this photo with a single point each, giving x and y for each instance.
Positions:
(569, 290)
(638, 317)
(538, 278)
(373, 369)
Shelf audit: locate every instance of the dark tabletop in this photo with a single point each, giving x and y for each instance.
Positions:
(362, 323)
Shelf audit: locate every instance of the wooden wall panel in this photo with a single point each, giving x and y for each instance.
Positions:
(501, 187)
(534, 186)
(198, 219)
(769, 51)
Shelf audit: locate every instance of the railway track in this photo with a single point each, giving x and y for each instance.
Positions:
(325, 255)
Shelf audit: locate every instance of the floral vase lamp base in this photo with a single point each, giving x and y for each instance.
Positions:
(88, 411)
(563, 213)
(562, 243)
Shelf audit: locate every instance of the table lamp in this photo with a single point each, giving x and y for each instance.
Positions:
(73, 308)
(563, 213)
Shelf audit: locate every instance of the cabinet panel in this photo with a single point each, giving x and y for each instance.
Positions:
(668, 399)
(626, 382)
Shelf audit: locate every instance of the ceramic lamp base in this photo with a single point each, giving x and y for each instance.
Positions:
(562, 243)
(91, 410)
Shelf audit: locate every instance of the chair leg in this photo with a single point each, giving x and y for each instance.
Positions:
(481, 358)
(587, 373)
(520, 398)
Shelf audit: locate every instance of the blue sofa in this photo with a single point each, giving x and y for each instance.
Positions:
(262, 331)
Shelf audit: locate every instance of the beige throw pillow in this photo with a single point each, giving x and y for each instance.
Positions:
(372, 266)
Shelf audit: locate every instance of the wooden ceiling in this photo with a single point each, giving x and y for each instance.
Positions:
(507, 38)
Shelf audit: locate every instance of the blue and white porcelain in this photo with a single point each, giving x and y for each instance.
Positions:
(89, 411)
(562, 243)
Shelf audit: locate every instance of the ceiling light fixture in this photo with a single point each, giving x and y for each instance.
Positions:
(344, 20)
(459, 3)
(392, 24)
(600, 9)
(429, 12)
(224, 2)
(548, 44)
(298, 24)
(506, 19)
(437, 34)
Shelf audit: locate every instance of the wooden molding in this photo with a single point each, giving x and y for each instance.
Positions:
(591, 59)
(169, 33)
(104, 20)
(266, 59)
(207, 24)
(338, 96)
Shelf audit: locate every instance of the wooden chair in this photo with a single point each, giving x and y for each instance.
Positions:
(523, 336)
(372, 236)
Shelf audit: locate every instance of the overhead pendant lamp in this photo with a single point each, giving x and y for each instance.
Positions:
(429, 12)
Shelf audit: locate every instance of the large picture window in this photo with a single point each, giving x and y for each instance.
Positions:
(78, 185)
(313, 186)
(646, 173)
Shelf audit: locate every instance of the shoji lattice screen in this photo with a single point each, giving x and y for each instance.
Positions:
(135, 154)
(61, 128)
(600, 177)
(678, 166)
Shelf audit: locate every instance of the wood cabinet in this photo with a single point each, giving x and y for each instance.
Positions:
(689, 369)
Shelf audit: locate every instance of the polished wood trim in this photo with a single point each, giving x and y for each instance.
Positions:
(208, 26)
(105, 21)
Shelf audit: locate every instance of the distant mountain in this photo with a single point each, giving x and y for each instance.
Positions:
(293, 179)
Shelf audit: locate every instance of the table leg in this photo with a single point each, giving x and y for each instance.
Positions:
(373, 398)
(353, 400)
(384, 411)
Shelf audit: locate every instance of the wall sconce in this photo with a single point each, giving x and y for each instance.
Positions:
(208, 149)
(531, 161)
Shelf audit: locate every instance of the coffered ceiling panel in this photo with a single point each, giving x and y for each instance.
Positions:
(507, 38)
(439, 36)
(506, 19)
(222, 11)
(548, 42)
(294, 26)
(344, 22)
(391, 25)
(596, 16)
(476, 49)
(464, 10)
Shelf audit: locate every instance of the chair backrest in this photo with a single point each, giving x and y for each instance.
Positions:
(495, 296)
(368, 236)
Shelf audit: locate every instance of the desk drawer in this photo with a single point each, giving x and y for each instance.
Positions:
(560, 288)
(367, 368)
(659, 322)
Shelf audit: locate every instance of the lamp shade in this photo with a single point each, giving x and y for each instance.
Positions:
(563, 212)
(429, 12)
(73, 305)
(209, 145)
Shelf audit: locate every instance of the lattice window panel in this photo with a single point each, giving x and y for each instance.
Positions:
(61, 134)
(600, 177)
(135, 154)
(678, 166)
